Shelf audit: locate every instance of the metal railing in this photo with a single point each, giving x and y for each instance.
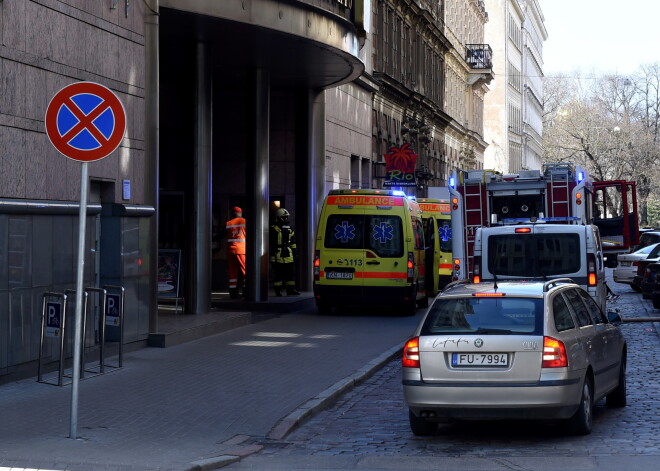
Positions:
(479, 56)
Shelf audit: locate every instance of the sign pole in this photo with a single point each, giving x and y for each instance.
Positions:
(73, 433)
(85, 121)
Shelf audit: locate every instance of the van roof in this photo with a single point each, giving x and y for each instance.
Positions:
(367, 192)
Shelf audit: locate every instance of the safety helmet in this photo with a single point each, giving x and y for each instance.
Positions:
(280, 213)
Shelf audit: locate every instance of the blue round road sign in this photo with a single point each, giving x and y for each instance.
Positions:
(85, 121)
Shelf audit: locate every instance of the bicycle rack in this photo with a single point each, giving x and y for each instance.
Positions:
(53, 324)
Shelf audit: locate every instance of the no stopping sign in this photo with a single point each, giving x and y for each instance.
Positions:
(85, 121)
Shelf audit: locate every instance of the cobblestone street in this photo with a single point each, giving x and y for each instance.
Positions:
(372, 419)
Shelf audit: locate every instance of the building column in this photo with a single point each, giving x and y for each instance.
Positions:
(256, 184)
(310, 179)
(201, 283)
(152, 155)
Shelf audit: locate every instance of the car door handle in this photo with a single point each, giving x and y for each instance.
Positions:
(374, 262)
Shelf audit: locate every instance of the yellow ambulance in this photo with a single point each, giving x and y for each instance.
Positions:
(370, 251)
(437, 231)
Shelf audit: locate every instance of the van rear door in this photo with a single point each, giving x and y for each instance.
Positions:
(534, 251)
(385, 259)
(344, 236)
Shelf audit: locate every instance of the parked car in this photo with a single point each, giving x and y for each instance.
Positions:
(648, 279)
(627, 264)
(655, 293)
(648, 238)
(652, 257)
(513, 350)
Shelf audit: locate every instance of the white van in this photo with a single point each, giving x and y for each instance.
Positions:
(542, 251)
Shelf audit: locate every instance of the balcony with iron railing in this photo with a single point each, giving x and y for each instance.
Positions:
(479, 56)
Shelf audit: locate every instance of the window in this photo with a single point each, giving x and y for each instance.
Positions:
(383, 234)
(533, 255)
(563, 319)
(581, 312)
(594, 310)
(418, 230)
(485, 316)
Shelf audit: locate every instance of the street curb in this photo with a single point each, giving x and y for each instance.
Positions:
(325, 398)
(303, 412)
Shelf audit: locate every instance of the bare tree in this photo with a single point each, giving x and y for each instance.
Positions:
(610, 125)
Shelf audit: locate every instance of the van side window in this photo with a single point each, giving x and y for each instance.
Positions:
(429, 231)
(581, 312)
(419, 234)
(563, 319)
(594, 310)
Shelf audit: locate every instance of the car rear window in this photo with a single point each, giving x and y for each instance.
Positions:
(534, 255)
(476, 315)
(382, 234)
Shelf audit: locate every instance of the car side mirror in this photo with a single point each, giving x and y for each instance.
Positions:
(614, 317)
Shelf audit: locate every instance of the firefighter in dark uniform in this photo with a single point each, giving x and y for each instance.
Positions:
(283, 253)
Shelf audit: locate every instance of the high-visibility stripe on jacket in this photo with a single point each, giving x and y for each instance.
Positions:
(282, 244)
(236, 236)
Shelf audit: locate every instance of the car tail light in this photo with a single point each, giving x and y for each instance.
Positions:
(592, 279)
(476, 270)
(635, 263)
(554, 354)
(411, 267)
(317, 265)
(411, 354)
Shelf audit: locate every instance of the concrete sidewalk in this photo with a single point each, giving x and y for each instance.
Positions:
(192, 405)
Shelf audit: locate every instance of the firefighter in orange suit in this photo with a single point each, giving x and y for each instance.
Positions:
(236, 252)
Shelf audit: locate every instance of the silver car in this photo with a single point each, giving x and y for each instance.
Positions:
(513, 350)
(626, 267)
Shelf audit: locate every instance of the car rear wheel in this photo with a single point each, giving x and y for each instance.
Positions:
(617, 398)
(656, 301)
(582, 420)
(421, 427)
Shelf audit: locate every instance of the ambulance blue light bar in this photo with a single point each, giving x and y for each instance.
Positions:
(580, 176)
(398, 193)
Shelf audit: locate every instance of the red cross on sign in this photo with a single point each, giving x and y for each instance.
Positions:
(85, 121)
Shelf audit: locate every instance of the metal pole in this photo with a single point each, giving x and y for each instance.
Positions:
(79, 295)
(151, 154)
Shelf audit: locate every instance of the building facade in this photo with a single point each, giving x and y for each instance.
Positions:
(256, 103)
(514, 106)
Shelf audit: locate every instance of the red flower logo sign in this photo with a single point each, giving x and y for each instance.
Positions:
(401, 158)
(400, 166)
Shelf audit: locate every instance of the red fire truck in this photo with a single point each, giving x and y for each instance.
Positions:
(558, 193)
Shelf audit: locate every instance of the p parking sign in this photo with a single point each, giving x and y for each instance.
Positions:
(53, 320)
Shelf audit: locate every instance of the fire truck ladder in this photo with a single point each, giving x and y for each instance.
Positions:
(471, 229)
(560, 175)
